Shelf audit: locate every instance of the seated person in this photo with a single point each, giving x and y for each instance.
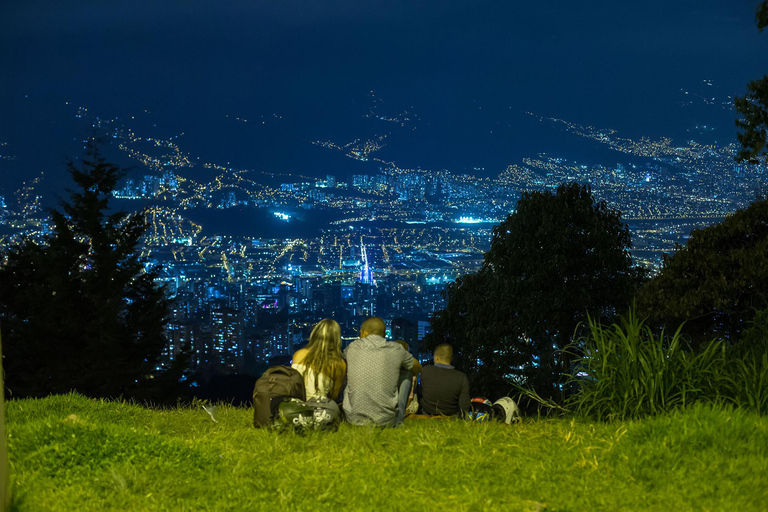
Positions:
(444, 390)
(321, 363)
(408, 393)
(374, 377)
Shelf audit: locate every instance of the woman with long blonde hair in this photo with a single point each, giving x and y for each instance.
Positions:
(321, 363)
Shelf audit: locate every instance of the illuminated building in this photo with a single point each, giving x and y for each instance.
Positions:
(226, 341)
(365, 270)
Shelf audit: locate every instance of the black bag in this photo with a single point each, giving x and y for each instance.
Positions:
(301, 416)
(278, 381)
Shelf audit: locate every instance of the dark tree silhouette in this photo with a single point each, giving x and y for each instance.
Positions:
(717, 282)
(557, 258)
(82, 311)
(753, 126)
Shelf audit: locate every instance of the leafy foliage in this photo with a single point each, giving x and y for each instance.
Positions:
(471, 323)
(559, 256)
(748, 378)
(753, 127)
(754, 339)
(627, 371)
(717, 282)
(82, 312)
(761, 17)
(748, 382)
(753, 134)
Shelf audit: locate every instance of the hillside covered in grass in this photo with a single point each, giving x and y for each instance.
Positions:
(72, 453)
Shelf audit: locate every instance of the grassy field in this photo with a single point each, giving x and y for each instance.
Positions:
(70, 453)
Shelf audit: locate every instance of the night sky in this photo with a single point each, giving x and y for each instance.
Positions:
(467, 71)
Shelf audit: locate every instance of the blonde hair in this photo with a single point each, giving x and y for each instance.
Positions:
(324, 354)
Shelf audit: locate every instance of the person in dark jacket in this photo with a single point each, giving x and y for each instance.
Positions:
(444, 390)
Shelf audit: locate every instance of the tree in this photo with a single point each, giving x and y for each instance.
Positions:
(754, 338)
(557, 258)
(82, 311)
(717, 282)
(753, 134)
(470, 323)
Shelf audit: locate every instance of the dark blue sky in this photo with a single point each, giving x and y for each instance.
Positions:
(468, 69)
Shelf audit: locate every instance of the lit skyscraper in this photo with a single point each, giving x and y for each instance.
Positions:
(227, 340)
(365, 269)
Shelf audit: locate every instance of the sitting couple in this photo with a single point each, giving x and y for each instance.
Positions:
(379, 375)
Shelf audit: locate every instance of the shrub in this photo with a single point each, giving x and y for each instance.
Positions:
(747, 383)
(626, 371)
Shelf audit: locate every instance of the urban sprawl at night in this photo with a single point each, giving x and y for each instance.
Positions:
(384, 242)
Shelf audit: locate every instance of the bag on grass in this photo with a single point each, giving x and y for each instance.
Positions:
(481, 409)
(278, 381)
(413, 406)
(314, 414)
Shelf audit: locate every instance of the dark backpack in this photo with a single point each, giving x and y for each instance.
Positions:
(300, 416)
(278, 381)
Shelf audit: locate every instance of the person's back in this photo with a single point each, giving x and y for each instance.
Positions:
(316, 386)
(444, 390)
(373, 376)
(321, 363)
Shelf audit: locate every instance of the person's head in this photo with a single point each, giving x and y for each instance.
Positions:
(443, 354)
(403, 344)
(325, 337)
(324, 353)
(373, 325)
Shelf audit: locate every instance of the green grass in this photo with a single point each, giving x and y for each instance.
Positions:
(71, 453)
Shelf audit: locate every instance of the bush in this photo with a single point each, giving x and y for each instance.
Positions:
(748, 383)
(626, 371)
(717, 283)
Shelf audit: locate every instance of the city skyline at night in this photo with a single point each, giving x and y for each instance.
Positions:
(300, 160)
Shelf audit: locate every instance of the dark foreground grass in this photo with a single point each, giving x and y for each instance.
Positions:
(70, 453)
